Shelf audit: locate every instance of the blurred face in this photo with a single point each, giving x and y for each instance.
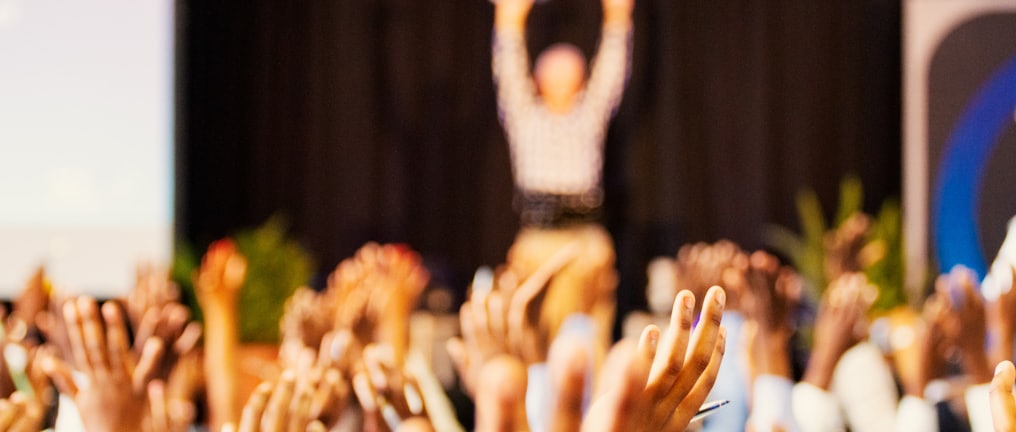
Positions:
(560, 73)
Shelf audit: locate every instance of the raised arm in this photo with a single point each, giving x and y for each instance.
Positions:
(510, 61)
(613, 58)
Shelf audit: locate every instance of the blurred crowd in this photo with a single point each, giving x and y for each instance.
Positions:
(724, 324)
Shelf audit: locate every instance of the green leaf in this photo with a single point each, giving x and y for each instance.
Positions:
(851, 198)
(810, 212)
(276, 267)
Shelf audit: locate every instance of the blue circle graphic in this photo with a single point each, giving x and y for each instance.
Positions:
(958, 187)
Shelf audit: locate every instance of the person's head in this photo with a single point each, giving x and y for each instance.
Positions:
(560, 73)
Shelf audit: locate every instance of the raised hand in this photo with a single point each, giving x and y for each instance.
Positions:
(20, 413)
(847, 249)
(966, 328)
(840, 317)
(113, 376)
(504, 318)
(657, 384)
(772, 294)
(1003, 405)
(154, 309)
(1001, 314)
(326, 373)
(32, 301)
(500, 403)
(26, 386)
(511, 14)
(374, 293)
(702, 265)
(217, 285)
(166, 414)
(683, 370)
(484, 326)
(387, 394)
(152, 290)
(221, 274)
(396, 277)
(284, 405)
(617, 12)
(171, 324)
(932, 345)
(308, 317)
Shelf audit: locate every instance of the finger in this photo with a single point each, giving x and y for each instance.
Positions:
(341, 388)
(8, 413)
(188, 339)
(316, 426)
(94, 336)
(145, 370)
(61, 375)
(250, 420)
(703, 342)
(496, 318)
(276, 412)
(368, 399)
(669, 360)
(325, 397)
(466, 325)
(120, 360)
(478, 313)
(457, 352)
(375, 370)
(174, 318)
(30, 419)
(146, 329)
(1003, 405)
(181, 412)
(649, 342)
(365, 393)
(688, 405)
(942, 283)
(234, 271)
(414, 399)
(299, 411)
(621, 405)
(569, 361)
(324, 351)
(415, 424)
(74, 335)
(157, 406)
(499, 400)
(340, 348)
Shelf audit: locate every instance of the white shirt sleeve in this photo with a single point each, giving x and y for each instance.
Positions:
(864, 386)
(516, 92)
(979, 408)
(772, 404)
(816, 410)
(609, 72)
(916, 414)
(539, 405)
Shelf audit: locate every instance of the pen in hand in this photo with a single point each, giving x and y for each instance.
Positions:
(708, 409)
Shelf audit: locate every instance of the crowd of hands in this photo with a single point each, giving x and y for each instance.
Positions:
(345, 361)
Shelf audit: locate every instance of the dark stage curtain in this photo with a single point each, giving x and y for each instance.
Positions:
(375, 120)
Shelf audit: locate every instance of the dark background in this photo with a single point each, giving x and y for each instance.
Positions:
(375, 120)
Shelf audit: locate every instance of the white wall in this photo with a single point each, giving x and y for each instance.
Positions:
(86, 133)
